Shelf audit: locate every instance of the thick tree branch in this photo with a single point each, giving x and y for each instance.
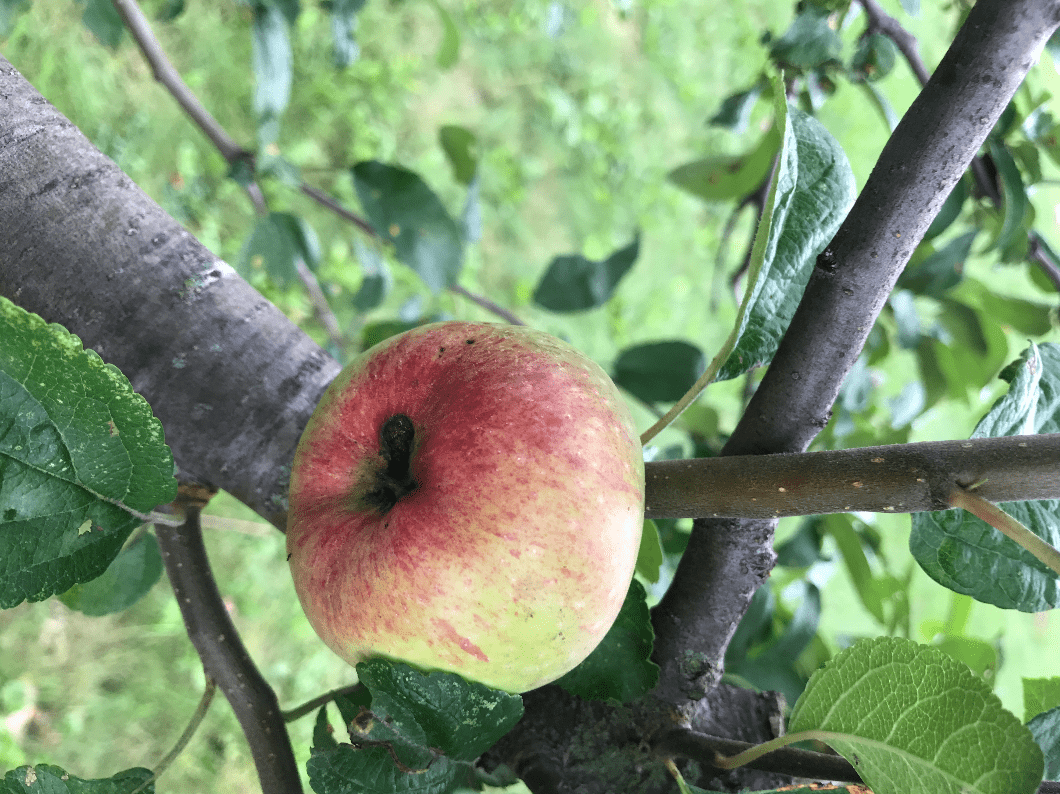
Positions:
(727, 560)
(901, 478)
(232, 380)
(224, 656)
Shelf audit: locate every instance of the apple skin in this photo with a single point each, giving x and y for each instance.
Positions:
(508, 561)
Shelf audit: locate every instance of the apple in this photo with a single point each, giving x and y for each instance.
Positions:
(467, 497)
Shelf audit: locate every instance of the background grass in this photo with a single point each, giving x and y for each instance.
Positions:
(580, 111)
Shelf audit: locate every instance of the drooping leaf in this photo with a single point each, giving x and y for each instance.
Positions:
(913, 720)
(135, 570)
(815, 189)
(620, 668)
(1040, 695)
(449, 49)
(574, 283)
(1014, 200)
(404, 210)
(103, 19)
(1046, 731)
(277, 243)
(377, 279)
(940, 272)
(458, 143)
(803, 548)
(735, 111)
(874, 58)
(1032, 318)
(462, 719)
(81, 458)
(416, 733)
(659, 371)
(852, 550)
(343, 31)
(47, 779)
(950, 210)
(967, 555)
(809, 42)
(728, 178)
(272, 63)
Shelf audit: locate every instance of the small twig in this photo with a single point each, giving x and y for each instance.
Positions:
(224, 657)
(321, 307)
(324, 200)
(487, 304)
(166, 74)
(309, 707)
(882, 22)
(182, 742)
(1007, 525)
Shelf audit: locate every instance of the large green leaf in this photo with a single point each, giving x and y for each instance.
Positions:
(912, 720)
(574, 283)
(815, 190)
(404, 210)
(81, 457)
(620, 667)
(46, 779)
(969, 556)
(272, 61)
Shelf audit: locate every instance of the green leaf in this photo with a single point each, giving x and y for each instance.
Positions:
(271, 60)
(815, 189)
(659, 371)
(46, 779)
(1046, 731)
(650, 555)
(950, 210)
(343, 30)
(459, 143)
(803, 548)
(377, 281)
(374, 333)
(1013, 195)
(852, 550)
(728, 178)
(980, 656)
(323, 736)
(277, 243)
(103, 19)
(1028, 317)
(573, 283)
(809, 42)
(735, 111)
(460, 718)
(620, 667)
(449, 49)
(941, 271)
(403, 210)
(967, 555)
(419, 733)
(911, 719)
(1040, 695)
(874, 58)
(135, 570)
(82, 458)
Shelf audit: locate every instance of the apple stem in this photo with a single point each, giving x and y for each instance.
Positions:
(395, 441)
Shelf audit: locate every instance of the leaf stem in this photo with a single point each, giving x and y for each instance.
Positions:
(756, 752)
(182, 742)
(1007, 525)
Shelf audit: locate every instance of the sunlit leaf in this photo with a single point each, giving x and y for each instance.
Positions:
(913, 720)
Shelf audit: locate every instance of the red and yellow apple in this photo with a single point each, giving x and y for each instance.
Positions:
(467, 497)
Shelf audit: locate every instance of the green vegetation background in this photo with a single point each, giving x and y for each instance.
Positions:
(580, 111)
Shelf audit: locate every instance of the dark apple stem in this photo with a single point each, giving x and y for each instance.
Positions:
(396, 437)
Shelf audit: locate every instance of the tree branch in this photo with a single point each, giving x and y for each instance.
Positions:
(901, 478)
(224, 656)
(726, 561)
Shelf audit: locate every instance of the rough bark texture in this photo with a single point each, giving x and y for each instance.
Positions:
(232, 380)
